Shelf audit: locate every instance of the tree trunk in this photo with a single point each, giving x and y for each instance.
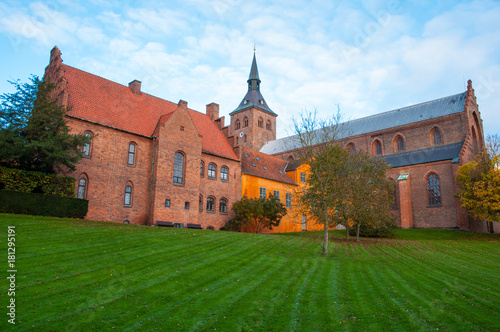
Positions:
(346, 231)
(357, 233)
(325, 239)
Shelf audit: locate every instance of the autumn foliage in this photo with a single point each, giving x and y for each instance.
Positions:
(479, 190)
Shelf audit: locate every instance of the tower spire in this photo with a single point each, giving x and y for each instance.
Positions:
(253, 79)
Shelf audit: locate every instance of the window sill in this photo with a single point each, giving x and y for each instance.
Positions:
(179, 184)
(435, 205)
(211, 212)
(130, 165)
(212, 178)
(127, 206)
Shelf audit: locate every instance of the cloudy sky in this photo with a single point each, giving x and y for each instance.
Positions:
(365, 56)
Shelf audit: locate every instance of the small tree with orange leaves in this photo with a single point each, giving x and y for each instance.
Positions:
(479, 187)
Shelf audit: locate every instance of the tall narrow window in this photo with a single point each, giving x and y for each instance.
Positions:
(131, 154)
(268, 125)
(260, 123)
(223, 205)
(82, 188)
(437, 137)
(262, 192)
(223, 173)
(378, 148)
(210, 204)
(237, 125)
(200, 203)
(86, 147)
(128, 195)
(211, 171)
(351, 148)
(202, 168)
(302, 177)
(288, 200)
(400, 143)
(276, 194)
(245, 122)
(178, 167)
(433, 190)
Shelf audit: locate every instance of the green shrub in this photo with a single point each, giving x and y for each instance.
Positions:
(384, 228)
(41, 183)
(42, 205)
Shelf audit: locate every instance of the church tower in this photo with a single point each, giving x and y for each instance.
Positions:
(253, 123)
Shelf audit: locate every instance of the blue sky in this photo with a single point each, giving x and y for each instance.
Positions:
(366, 56)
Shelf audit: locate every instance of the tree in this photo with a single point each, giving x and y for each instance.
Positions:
(314, 145)
(259, 213)
(479, 187)
(342, 186)
(33, 133)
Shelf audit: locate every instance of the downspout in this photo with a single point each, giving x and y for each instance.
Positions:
(151, 184)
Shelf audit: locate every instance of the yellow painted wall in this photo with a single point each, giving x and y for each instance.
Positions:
(292, 222)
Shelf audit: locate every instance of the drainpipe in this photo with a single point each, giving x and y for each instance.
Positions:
(151, 184)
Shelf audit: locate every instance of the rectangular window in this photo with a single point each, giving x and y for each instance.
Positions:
(167, 203)
(302, 177)
(276, 194)
(186, 205)
(288, 200)
(262, 193)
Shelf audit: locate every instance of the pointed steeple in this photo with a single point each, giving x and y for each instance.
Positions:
(253, 78)
(253, 97)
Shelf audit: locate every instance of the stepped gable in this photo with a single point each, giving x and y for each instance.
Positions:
(391, 119)
(264, 166)
(96, 99)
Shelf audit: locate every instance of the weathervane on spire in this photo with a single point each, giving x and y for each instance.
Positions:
(254, 45)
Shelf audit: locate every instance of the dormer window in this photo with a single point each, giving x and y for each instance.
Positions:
(261, 101)
(245, 101)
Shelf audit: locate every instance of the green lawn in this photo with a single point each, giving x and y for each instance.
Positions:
(83, 275)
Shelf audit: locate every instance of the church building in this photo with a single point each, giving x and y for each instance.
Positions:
(154, 162)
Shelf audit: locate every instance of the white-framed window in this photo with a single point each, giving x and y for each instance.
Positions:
(288, 201)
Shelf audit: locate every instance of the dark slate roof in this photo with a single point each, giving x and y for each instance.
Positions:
(264, 166)
(253, 97)
(292, 165)
(429, 155)
(395, 118)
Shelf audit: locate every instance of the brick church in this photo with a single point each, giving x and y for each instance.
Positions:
(152, 161)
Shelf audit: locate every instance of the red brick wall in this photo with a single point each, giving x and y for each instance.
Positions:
(108, 173)
(255, 136)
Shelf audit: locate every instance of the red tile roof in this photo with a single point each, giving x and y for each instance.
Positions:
(102, 101)
(265, 166)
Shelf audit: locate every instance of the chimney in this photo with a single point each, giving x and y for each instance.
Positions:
(182, 104)
(135, 86)
(213, 111)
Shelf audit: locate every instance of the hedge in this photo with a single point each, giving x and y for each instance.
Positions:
(42, 205)
(29, 182)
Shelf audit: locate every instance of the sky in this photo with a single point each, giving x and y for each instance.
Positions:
(363, 57)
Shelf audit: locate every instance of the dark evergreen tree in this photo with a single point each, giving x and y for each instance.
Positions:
(33, 133)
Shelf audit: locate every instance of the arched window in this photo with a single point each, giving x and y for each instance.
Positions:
(178, 168)
(223, 206)
(210, 204)
(377, 147)
(200, 203)
(223, 173)
(268, 125)
(211, 171)
(131, 154)
(394, 194)
(400, 143)
(245, 122)
(436, 137)
(86, 146)
(433, 190)
(202, 169)
(351, 148)
(260, 123)
(237, 125)
(128, 195)
(82, 188)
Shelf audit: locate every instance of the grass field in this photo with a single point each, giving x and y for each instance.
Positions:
(83, 275)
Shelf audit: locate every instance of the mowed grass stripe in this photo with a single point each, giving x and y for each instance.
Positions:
(145, 276)
(100, 275)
